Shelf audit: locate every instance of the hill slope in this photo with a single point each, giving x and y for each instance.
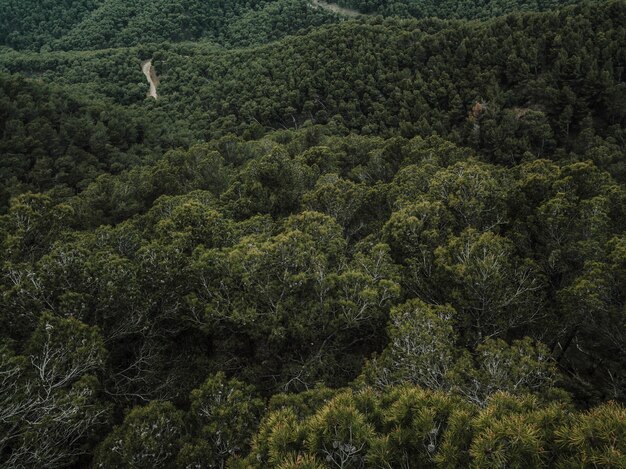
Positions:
(99, 24)
(536, 91)
(381, 242)
(467, 9)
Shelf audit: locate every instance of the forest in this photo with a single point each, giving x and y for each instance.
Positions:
(465, 9)
(388, 240)
(99, 24)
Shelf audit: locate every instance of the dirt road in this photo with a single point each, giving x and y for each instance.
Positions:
(148, 71)
(336, 8)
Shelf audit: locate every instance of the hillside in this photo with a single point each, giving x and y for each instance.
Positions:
(537, 93)
(452, 9)
(322, 240)
(100, 24)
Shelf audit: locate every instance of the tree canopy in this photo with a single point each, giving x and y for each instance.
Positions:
(396, 240)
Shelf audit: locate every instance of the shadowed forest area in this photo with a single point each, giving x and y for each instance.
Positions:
(394, 239)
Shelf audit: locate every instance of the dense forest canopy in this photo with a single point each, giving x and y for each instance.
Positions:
(468, 9)
(99, 24)
(389, 240)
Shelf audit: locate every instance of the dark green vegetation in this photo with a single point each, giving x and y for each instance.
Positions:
(51, 141)
(379, 243)
(468, 9)
(98, 24)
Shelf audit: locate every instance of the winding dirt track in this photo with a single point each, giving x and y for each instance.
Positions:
(336, 8)
(153, 80)
(148, 71)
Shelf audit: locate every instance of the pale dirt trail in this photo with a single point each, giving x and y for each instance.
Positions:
(153, 80)
(148, 71)
(336, 8)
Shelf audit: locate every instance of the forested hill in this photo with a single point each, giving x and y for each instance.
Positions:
(491, 86)
(51, 139)
(98, 24)
(375, 242)
(468, 9)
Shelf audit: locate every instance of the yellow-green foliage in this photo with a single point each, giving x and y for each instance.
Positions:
(415, 428)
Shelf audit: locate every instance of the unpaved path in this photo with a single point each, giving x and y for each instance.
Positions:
(336, 8)
(148, 71)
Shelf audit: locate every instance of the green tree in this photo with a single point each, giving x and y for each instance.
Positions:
(493, 290)
(224, 415)
(51, 398)
(148, 437)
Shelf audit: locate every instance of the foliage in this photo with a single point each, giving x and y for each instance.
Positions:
(379, 242)
(100, 24)
(451, 9)
(410, 427)
(52, 408)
